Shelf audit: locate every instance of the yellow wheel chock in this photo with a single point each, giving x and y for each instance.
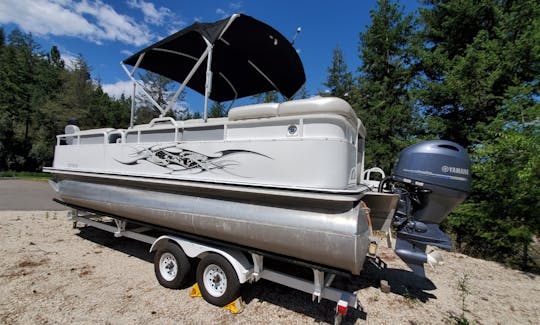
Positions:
(235, 307)
(195, 291)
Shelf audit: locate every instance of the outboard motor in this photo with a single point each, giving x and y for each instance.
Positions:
(432, 178)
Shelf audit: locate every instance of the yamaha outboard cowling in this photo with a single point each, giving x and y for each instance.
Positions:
(432, 178)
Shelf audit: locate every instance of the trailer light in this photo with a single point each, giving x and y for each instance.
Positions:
(342, 307)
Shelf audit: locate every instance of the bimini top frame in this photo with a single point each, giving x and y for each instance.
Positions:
(243, 57)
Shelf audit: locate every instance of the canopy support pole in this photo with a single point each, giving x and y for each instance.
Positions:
(206, 53)
(132, 116)
(208, 85)
(163, 112)
(137, 83)
(130, 74)
(264, 75)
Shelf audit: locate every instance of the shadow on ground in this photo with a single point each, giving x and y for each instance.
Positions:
(125, 245)
(402, 282)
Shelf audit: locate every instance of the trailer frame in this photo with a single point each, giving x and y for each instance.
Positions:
(248, 270)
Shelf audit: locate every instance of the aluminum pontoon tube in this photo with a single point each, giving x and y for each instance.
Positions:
(328, 233)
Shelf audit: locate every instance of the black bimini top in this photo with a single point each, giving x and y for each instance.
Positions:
(249, 57)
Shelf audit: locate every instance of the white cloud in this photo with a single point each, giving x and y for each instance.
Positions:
(174, 28)
(126, 52)
(42, 17)
(233, 8)
(221, 12)
(118, 88)
(70, 60)
(235, 5)
(112, 25)
(89, 19)
(151, 14)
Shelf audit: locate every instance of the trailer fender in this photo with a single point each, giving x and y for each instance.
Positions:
(243, 268)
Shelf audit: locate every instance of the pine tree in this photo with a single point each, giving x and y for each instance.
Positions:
(302, 93)
(2, 38)
(463, 69)
(383, 100)
(55, 58)
(502, 215)
(160, 88)
(339, 81)
(480, 87)
(217, 110)
(37, 98)
(267, 97)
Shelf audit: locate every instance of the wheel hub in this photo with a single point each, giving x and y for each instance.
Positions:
(168, 266)
(215, 280)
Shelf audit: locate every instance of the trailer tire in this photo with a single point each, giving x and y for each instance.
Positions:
(217, 280)
(171, 266)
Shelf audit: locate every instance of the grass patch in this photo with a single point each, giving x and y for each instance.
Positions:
(410, 296)
(36, 176)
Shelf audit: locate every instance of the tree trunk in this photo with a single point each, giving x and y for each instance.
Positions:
(525, 256)
(27, 123)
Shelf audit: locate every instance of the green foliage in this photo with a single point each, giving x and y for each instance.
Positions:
(382, 99)
(302, 93)
(464, 291)
(55, 58)
(217, 110)
(160, 88)
(2, 38)
(38, 96)
(26, 175)
(480, 88)
(267, 97)
(471, 52)
(503, 212)
(340, 81)
(466, 71)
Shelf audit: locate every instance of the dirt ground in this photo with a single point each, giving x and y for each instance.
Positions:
(52, 273)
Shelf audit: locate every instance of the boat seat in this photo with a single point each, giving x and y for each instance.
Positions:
(253, 111)
(315, 105)
(318, 105)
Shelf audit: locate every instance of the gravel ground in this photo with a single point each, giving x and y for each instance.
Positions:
(51, 273)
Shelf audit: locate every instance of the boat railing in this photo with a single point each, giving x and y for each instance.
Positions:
(166, 129)
(162, 120)
(98, 136)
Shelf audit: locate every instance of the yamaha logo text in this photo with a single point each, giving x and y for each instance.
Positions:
(455, 170)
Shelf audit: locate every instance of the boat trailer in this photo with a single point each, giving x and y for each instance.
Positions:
(222, 269)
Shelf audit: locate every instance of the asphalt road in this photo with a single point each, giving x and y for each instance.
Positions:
(27, 195)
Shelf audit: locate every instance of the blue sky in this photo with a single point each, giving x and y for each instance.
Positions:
(106, 32)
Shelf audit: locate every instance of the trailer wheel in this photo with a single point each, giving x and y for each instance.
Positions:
(171, 266)
(217, 280)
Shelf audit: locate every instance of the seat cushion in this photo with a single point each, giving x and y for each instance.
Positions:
(253, 111)
(318, 105)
